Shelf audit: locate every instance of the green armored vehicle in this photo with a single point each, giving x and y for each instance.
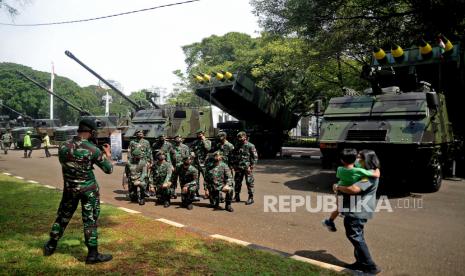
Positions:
(266, 121)
(157, 120)
(403, 116)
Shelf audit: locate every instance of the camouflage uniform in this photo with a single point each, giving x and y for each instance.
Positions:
(136, 171)
(6, 141)
(164, 146)
(77, 158)
(144, 146)
(187, 178)
(218, 179)
(180, 152)
(200, 148)
(245, 156)
(161, 176)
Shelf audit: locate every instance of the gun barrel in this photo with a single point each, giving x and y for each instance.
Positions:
(70, 55)
(80, 110)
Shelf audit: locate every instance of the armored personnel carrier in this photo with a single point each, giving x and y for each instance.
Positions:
(157, 120)
(266, 121)
(404, 116)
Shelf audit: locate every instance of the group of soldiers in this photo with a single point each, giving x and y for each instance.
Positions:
(156, 170)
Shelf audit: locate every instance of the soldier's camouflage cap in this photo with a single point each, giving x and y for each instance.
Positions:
(217, 153)
(241, 134)
(139, 131)
(222, 134)
(176, 136)
(200, 131)
(136, 153)
(161, 135)
(87, 125)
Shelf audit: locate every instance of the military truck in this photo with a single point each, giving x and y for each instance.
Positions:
(157, 120)
(266, 121)
(404, 116)
(18, 134)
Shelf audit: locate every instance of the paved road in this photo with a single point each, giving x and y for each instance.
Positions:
(409, 241)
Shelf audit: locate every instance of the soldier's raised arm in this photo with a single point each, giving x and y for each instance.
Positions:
(102, 159)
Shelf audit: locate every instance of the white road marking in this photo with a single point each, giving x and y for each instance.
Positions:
(48, 186)
(170, 222)
(129, 210)
(33, 182)
(228, 239)
(5, 173)
(320, 264)
(19, 177)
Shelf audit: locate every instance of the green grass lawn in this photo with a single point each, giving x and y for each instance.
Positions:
(139, 245)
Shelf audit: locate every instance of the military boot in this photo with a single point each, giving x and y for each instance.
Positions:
(141, 199)
(228, 207)
(250, 200)
(93, 257)
(50, 247)
(166, 202)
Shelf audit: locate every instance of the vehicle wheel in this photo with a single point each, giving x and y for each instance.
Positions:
(434, 176)
(326, 163)
(36, 143)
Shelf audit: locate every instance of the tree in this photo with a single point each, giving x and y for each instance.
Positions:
(351, 27)
(288, 67)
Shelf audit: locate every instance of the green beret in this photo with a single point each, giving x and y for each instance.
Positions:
(87, 125)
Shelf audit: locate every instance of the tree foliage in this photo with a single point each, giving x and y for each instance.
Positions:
(354, 26)
(25, 97)
(288, 67)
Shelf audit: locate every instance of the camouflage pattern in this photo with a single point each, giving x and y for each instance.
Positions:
(142, 145)
(180, 152)
(171, 121)
(200, 148)
(244, 159)
(187, 178)
(161, 175)
(226, 149)
(164, 146)
(397, 116)
(136, 171)
(7, 139)
(77, 158)
(218, 179)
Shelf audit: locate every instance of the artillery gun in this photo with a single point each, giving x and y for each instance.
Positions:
(105, 124)
(157, 120)
(403, 116)
(266, 121)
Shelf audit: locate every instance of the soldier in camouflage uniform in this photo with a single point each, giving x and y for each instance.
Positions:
(142, 144)
(136, 171)
(77, 157)
(7, 138)
(161, 178)
(218, 179)
(244, 159)
(165, 146)
(225, 148)
(188, 181)
(180, 151)
(200, 148)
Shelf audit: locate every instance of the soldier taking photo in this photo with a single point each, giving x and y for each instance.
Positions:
(77, 158)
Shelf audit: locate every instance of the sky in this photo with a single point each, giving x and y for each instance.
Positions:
(138, 50)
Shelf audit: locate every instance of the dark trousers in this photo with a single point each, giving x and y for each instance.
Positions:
(47, 153)
(26, 154)
(355, 234)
